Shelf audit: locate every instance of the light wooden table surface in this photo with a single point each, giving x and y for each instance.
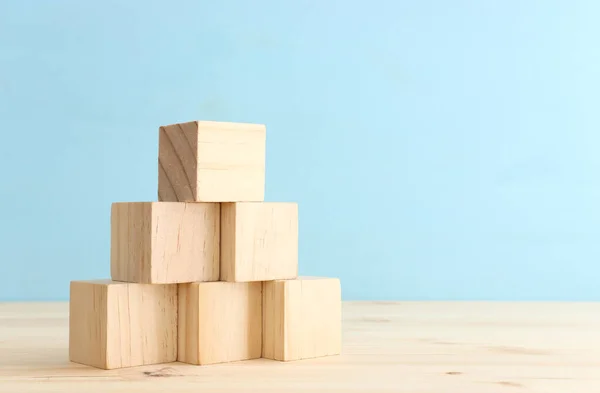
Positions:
(388, 347)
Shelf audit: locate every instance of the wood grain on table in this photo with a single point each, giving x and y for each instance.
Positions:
(387, 347)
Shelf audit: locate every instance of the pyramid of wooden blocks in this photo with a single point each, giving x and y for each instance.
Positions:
(208, 273)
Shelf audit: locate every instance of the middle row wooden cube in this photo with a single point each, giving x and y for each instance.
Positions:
(179, 242)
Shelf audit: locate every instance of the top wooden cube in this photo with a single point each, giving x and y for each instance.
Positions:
(207, 161)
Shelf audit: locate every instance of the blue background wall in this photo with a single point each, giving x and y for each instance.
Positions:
(438, 149)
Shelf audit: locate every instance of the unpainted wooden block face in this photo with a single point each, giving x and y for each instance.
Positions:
(259, 241)
(209, 161)
(165, 242)
(219, 322)
(301, 318)
(117, 325)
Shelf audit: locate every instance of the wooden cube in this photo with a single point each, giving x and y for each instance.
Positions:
(219, 322)
(259, 241)
(165, 242)
(208, 161)
(116, 324)
(302, 318)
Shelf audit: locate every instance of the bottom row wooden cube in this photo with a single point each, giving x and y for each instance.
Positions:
(116, 324)
(219, 322)
(302, 318)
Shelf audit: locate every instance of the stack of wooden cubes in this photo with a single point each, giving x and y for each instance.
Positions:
(209, 272)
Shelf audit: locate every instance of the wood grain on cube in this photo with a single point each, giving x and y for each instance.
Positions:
(219, 322)
(259, 241)
(165, 242)
(208, 161)
(117, 325)
(301, 318)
